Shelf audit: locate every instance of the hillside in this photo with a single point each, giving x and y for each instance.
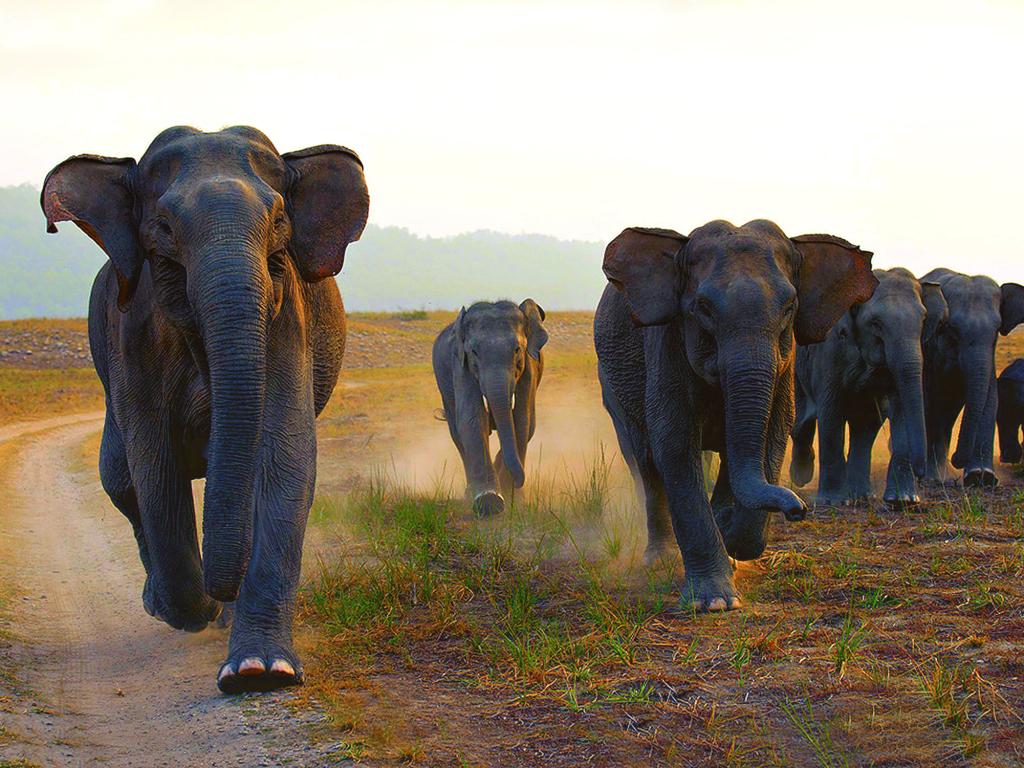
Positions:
(390, 268)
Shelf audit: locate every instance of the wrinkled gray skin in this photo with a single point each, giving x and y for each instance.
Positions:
(695, 347)
(959, 373)
(867, 368)
(218, 340)
(1010, 413)
(487, 359)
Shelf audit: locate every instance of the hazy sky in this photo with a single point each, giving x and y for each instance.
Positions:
(898, 125)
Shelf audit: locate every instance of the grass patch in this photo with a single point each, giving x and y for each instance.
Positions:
(41, 393)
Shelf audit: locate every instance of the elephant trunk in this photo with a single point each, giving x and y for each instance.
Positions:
(749, 369)
(977, 365)
(232, 299)
(497, 388)
(905, 364)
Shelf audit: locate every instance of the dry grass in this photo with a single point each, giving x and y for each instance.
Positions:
(40, 393)
(868, 637)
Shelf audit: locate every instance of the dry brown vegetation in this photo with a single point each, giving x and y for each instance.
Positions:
(867, 637)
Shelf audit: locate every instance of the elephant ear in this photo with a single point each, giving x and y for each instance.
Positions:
(536, 336)
(642, 263)
(1011, 306)
(834, 275)
(328, 204)
(460, 336)
(936, 307)
(95, 193)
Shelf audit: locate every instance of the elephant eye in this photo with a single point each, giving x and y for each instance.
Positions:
(276, 263)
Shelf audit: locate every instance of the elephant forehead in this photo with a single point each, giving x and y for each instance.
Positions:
(198, 155)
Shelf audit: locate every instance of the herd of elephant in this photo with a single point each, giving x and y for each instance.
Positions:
(218, 337)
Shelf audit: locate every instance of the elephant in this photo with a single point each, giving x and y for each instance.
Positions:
(218, 337)
(1010, 411)
(488, 365)
(868, 368)
(959, 373)
(695, 346)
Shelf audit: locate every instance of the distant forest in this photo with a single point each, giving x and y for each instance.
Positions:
(388, 269)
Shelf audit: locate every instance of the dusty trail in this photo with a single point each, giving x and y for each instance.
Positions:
(97, 681)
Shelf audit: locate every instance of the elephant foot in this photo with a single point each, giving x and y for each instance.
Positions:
(980, 478)
(657, 552)
(712, 593)
(901, 500)
(200, 610)
(830, 499)
(801, 468)
(488, 504)
(861, 499)
(250, 670)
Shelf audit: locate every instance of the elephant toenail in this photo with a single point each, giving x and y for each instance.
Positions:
(226, 671)
(735, 603)
(282, 667)
(718, 604)
(251, 666)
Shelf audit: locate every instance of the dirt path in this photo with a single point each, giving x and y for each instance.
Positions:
(95, 680)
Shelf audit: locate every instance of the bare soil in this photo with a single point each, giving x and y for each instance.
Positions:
(90, 679)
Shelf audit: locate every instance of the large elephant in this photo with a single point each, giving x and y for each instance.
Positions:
(867, 368)
(488, 365)
(218, 335)
(959, 373)
(695, 347)
(1010, 411)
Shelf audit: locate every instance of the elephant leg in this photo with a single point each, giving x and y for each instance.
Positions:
(117, 483)
(865, 421)
(481, 479)
(801, 464)
(831, 446)
(261, 653)
(979, 472)
(163, 492)
(1008, 422)
(940, 416)
(708, 583)
(900, 484)
(636, 452)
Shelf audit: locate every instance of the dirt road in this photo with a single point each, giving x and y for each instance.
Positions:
(88, 678)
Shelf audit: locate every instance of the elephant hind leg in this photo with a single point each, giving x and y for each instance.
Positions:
(117, 483)
(636, 452)
(801, 464)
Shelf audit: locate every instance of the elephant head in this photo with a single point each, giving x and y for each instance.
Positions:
(979, 310)
(888, 330)
(496, 343)
(743, 295)
(222, 221)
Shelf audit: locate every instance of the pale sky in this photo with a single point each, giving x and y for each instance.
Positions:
(898, 125)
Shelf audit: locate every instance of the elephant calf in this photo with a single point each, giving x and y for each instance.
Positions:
(488, 365)
(959, 373)
(695, 349)
(217, 331)
(868, 367)
(1010, 412)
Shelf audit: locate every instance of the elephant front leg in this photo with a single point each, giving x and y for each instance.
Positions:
(832, 462)
(865, 421)
(261, 654)
(901, 485)
(708, 579)
(979, 472)
(481, 479)
(168, 547)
